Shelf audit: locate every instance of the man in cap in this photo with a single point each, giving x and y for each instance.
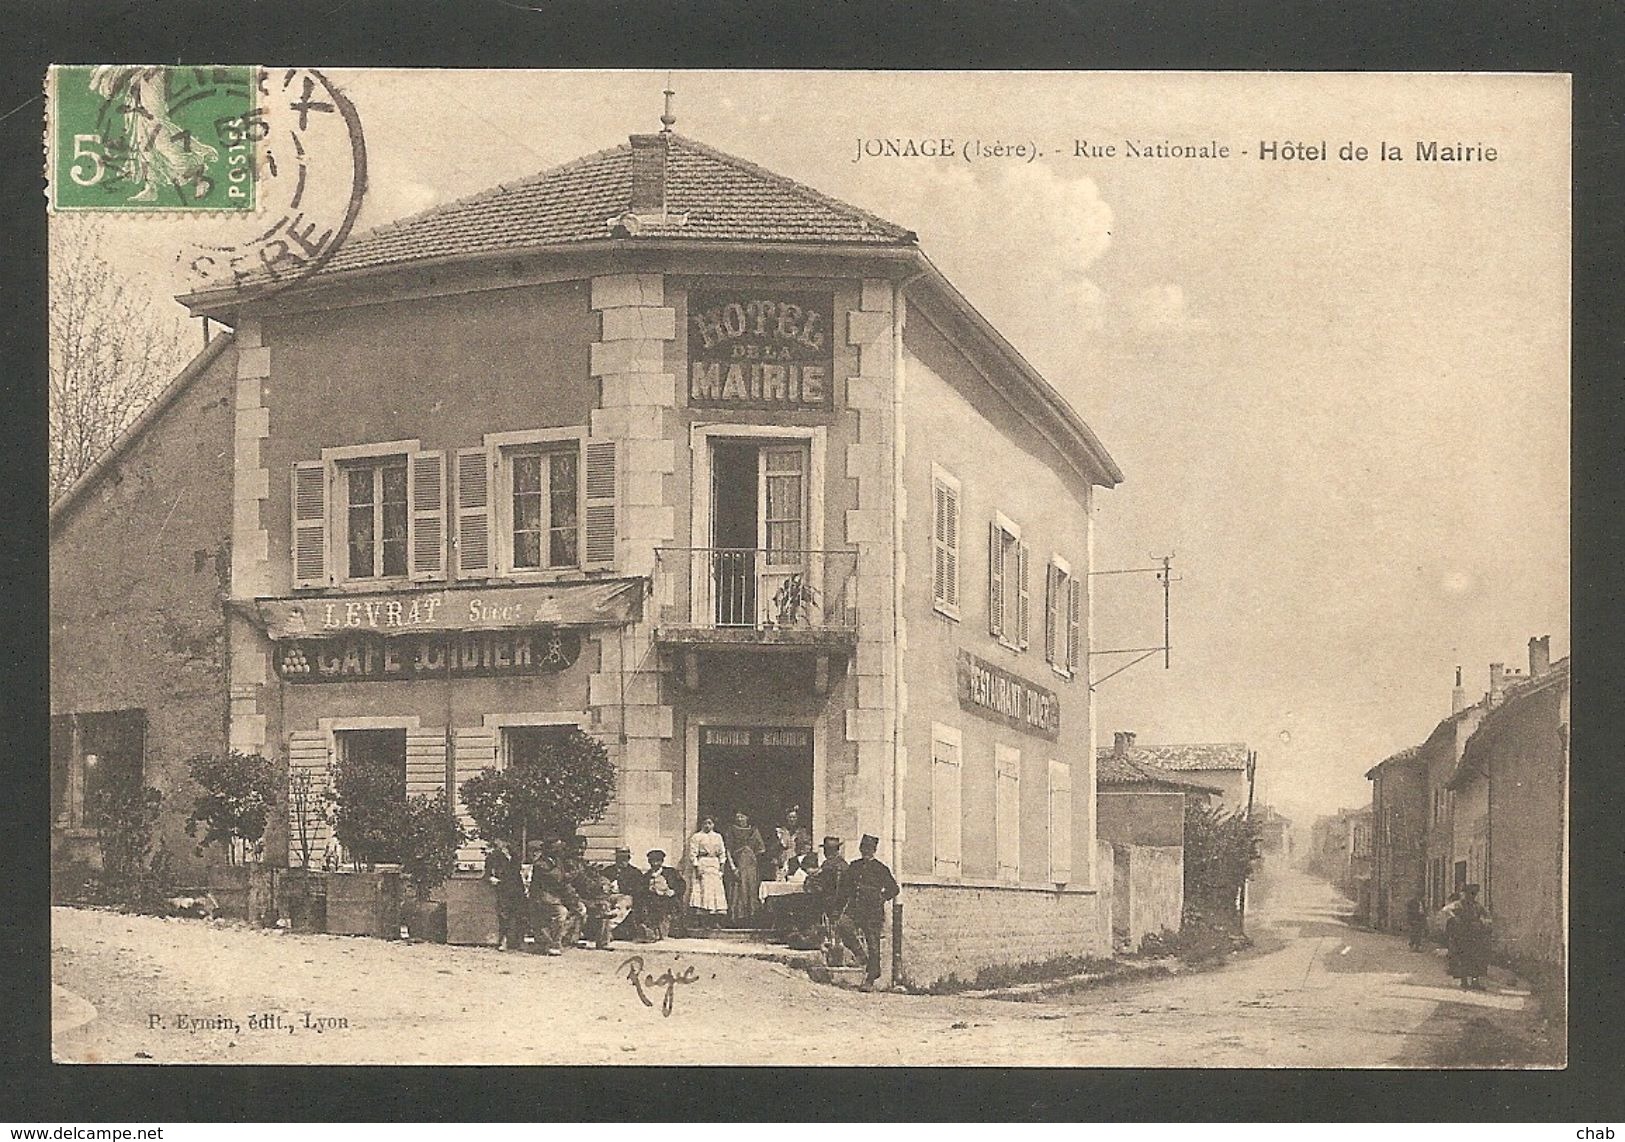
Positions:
(504, 872)
(865, 888)
(660, 899)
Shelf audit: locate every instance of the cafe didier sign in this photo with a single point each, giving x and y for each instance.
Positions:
(999, 696)
(761, 350)
(498, 632)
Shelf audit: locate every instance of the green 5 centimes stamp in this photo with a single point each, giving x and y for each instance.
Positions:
(131, 138)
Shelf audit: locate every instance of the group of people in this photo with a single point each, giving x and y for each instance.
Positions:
(1466, 934)
(569, 902)
(730, 866)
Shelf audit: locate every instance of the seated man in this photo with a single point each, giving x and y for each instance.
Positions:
(659, 900)
(551, 899)
(625, 882)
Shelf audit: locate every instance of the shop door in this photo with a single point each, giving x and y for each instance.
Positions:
(762, 770)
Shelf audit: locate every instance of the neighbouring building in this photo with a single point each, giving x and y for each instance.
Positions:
(1438, 756)
(1222, 765)
(1140, 812)
(1340, 851)
(659, 445)
(1398, 836)
(1511, 795)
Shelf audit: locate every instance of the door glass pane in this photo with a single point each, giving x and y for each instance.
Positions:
(784, 509)
(562, 504)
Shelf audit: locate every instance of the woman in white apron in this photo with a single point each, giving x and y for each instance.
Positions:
(707, 856)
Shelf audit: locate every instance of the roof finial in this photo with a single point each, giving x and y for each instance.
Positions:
(669, 119)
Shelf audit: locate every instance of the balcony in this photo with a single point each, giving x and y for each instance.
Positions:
(758, 597)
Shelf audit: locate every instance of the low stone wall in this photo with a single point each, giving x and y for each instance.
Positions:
(956, 929)
(1156, 890)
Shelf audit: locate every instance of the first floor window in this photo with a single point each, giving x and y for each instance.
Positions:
(1007, 583)
(545, 507)
(375, 516)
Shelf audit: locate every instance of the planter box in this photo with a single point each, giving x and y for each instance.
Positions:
(471, 911)
(301, 896)
(425, 920)
(364, 904)
(228, 884)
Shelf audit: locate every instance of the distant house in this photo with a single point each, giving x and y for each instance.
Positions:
(1222, 765)
(1340, 851)
(1399, 840)
(1141, 818)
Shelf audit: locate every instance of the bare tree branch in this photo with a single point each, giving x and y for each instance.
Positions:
(111, 351)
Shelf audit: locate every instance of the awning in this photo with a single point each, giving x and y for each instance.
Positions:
(598, 603)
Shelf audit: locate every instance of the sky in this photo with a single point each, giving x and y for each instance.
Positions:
(1338, 390)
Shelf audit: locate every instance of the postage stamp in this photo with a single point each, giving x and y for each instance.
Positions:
(126, 138)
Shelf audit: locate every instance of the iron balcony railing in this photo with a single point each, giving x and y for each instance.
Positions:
(765, 588)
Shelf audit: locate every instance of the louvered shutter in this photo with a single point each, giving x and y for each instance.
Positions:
(1022, 604)
(309, 498)
(474, 750)
(1007, 812)
(939, 543)
(426, 538)
(598, 506)
(951, 545)
(425, 762)
(308, 777)
(1052, 609)
(995, 580)
(473, 512)
(1074, 624)
(1060, 822)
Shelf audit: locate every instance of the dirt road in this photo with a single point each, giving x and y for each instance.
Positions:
(1319, 994)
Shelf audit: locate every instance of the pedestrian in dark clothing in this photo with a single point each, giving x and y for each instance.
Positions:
(659, 899)
(825, 882)
(1416, 923)
(865, 888)
(506, 874)
(1467, 932)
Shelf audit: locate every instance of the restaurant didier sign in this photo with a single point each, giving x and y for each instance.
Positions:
(762, 350)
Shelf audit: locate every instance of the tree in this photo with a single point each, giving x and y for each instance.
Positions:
(369, 796)
(429, 842)
(124, 816)
(235, 805)
(111, 350)
(1221, 851)
(569, 783)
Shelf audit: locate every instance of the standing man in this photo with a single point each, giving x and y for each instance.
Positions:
(505, 873)
(825, 884)
(865, 888)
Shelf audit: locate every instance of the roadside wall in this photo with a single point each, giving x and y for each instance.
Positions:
(959, 929)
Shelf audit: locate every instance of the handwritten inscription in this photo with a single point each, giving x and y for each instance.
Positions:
(643, 984)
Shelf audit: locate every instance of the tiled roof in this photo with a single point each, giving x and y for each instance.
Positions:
(709, 195)
(1113, 769)
(1193, 756)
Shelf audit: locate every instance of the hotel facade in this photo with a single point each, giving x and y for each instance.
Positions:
(659, 445)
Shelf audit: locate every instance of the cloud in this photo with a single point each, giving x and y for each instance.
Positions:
(1156, 311)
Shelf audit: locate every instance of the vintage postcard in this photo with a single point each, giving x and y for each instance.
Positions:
(790, 567)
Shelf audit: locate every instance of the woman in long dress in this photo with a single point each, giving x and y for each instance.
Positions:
(745, 849)
(707, 856)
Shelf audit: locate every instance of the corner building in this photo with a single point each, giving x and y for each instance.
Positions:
(676, 450)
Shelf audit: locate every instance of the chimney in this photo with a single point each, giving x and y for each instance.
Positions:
(1458, 696)
(1122, 742)
(1540, 655)
(648, 174)
(1497, 676)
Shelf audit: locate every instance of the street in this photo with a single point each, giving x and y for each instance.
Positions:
(1316, 992)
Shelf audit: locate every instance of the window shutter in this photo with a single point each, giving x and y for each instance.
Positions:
(310, 524)
(1052, 583)
(598, 506)
(1007, 811)
(473, 512)
(308, 824)
(425, 762)
(1022, 602)
(945, 811)
(939, 543)
(1074, 624)
(995, 580)
(427, 493)
(951, 546)
(1060, 822)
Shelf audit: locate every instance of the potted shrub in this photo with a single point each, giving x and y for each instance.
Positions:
(232, 810)
(369, 799)
(428, 856)
(794, 601)
(132, 875)
(570, 782)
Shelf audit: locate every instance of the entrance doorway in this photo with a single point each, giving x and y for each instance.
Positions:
(372, 767)
(759, 506)
(760, 770)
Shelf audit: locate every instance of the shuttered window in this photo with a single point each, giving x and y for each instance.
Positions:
(1007, 573)
(1060, 822)
(945, 543)
(1074, 625)
(1061, 604)
(598, 531)
(540, 500)
(1007, 811)
(946, 822)
(369, 512)
(473, 512)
